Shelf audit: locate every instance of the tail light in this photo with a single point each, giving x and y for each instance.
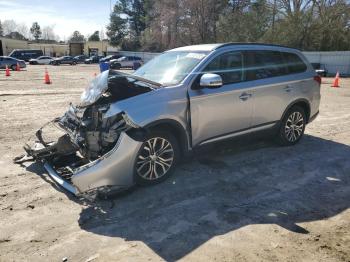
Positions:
(318, 79)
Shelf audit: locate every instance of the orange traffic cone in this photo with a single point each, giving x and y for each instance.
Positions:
(336, 80)
(7, 71)
(47, 78)
(18, 68)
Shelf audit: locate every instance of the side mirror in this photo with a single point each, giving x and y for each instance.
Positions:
(210, 81)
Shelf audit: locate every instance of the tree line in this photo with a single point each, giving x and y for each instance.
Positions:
(46, 34)
(157, 25)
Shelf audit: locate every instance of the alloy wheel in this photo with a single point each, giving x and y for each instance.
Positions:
(294, 126)
(155, 159)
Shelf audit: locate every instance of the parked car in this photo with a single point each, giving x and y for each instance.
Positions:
(110, 57)
(26, 54)
(93, 59)
(11, 62)
(126, 62)
(320, 69)
(80, 58)
(132, 128)
(68, 60)
(41, 60)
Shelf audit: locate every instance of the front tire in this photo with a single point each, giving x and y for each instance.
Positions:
(292, 126)
(156, 158)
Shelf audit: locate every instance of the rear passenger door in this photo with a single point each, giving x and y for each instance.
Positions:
(266, 71)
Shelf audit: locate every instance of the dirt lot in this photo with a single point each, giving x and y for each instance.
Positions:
(230, 202)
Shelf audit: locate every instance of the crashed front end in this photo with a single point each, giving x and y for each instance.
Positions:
(96, 149)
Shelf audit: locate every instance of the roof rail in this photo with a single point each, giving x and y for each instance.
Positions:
(252, 43)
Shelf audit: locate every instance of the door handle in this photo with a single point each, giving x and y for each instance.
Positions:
(288, 88)
(244, 96)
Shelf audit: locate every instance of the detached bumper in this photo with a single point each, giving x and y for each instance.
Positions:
(59, 180)
(113, 170)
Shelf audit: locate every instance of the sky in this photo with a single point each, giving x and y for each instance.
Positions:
(66, 16)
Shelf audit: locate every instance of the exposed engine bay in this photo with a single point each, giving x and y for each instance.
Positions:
(88, 134)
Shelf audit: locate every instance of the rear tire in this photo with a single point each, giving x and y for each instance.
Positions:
(156, 159)
(13, 67)
(292, 126)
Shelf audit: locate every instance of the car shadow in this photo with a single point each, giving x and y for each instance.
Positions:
(224, 187)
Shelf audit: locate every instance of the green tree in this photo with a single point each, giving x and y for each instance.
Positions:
(118, 26)
(95, 36)
(35, 31)
(127, 22)
(76, 37)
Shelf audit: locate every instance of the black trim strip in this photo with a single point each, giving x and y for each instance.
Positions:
(238, 131)
(258, 44)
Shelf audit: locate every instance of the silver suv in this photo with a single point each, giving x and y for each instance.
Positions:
(132, 128)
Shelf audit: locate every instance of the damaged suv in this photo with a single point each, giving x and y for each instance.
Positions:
(132, 128)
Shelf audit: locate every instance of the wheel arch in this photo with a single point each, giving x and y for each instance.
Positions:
(303, 103)
(173, 127)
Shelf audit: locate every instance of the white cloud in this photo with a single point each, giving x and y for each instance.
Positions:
(46, 16)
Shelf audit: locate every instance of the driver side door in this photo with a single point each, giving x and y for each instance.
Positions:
(221, 112)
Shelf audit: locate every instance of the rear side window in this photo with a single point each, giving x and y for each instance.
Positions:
(294, 63)
(228, 65)
(264, 64)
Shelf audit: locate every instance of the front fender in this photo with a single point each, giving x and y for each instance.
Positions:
(116, 168)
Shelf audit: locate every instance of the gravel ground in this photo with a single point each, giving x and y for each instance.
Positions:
(235, 201)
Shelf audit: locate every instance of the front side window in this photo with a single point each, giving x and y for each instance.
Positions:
(228, 65)
(170, 68)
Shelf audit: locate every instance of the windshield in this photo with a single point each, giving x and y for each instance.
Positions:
(170, 68)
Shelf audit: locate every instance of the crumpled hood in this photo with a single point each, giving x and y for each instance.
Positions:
(95, 89)
(112, 86)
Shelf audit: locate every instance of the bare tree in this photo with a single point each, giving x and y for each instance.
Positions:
(9, 26)
(48, 34)
(305, 24)
(1, 29)
(23, 29)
